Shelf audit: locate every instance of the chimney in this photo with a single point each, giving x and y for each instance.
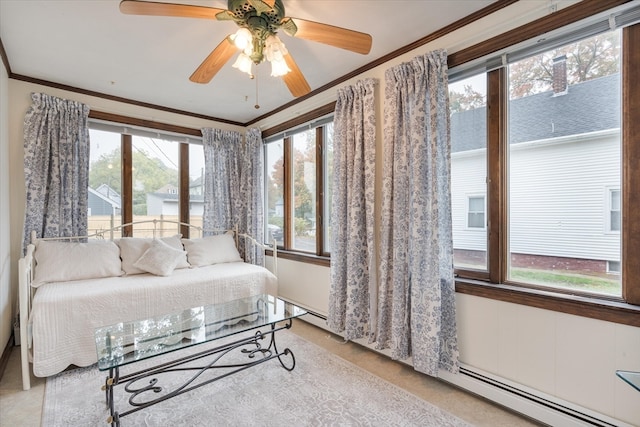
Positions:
(560, 75)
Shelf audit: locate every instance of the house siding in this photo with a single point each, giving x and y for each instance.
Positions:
(468, 178)
(558, 199)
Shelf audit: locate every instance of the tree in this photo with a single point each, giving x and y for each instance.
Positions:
(303, 184)
(467, 100)
(587, 59)
(106, 170)
(149, 175)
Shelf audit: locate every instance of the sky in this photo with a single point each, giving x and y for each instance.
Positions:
(103, 142)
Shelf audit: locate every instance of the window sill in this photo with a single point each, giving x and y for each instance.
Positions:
(302, 257)
(602, 309)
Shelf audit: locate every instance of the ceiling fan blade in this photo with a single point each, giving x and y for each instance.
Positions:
(294, 79)
(214, 62)
(134, 7)
(343, 38)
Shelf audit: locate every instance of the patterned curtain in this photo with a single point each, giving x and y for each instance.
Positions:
(56, 167)
(233, 185)
(352, 296)
(251, 215)
(221, 178)
(416, 304)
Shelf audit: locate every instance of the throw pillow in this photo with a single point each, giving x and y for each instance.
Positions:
(211, 250)
(160, 259)
(58, 261)
(132, 248)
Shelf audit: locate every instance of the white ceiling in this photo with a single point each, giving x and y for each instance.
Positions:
(90, 45)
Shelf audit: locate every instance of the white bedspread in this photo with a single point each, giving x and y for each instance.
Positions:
(65, 315)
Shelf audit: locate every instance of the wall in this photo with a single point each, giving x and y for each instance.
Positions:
(5, 235)
(566, 358)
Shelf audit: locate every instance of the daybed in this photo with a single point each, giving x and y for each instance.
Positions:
(71, 286)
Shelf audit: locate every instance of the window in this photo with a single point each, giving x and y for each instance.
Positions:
(469, 170)
(614, 210)
(475, 212)
(560, 208)
(154, 174)
(138, 177)
(196, 184)
(297, 178)
(327, 166)
(564, 146)
(613, 267)
(105, 181)
(303, 191)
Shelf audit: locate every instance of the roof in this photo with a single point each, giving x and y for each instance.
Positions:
(107, 193)
(586, 107)
(175, 196)
(112, 201)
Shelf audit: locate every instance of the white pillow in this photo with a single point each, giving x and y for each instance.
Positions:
(160, 259)
(211, 250)
(62, 261)
(132, 248)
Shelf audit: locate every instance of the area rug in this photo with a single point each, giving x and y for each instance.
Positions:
(322, 390)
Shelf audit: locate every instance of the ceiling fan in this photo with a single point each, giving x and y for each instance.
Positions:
(259, 22)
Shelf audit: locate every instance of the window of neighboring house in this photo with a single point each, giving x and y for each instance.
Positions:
(475, 212)
(614, 210)
(138, 177)
(467, 100)
(613, 267)
(564, 146)
(297, 174)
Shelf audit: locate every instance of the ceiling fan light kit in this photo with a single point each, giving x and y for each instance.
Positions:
(257, 40)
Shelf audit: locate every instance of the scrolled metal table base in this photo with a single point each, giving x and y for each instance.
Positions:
(143, 385)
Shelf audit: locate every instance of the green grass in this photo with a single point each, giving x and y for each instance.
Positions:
(599, 285)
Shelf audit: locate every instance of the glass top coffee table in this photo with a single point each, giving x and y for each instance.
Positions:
(223, 326)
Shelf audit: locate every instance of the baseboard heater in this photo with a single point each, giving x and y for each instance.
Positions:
(510, 396)
(577, 415)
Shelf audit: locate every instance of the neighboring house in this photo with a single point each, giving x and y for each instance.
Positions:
(196, 187)
(104, 201)
(574, 226)
(165, 202)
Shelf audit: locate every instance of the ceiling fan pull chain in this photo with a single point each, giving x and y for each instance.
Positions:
(257, 106)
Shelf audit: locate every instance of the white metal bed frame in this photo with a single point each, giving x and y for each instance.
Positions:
(26, 267)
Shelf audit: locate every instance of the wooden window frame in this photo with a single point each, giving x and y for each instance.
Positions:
(320, 256)
(493, 283)
(126, 150)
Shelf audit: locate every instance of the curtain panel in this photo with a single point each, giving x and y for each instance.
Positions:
(221, 177)
(416, 305)
(352, 297)
(251, 215)
(233, 185)
(56, 167)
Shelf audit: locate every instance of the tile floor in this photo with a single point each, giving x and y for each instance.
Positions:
(23, 408)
